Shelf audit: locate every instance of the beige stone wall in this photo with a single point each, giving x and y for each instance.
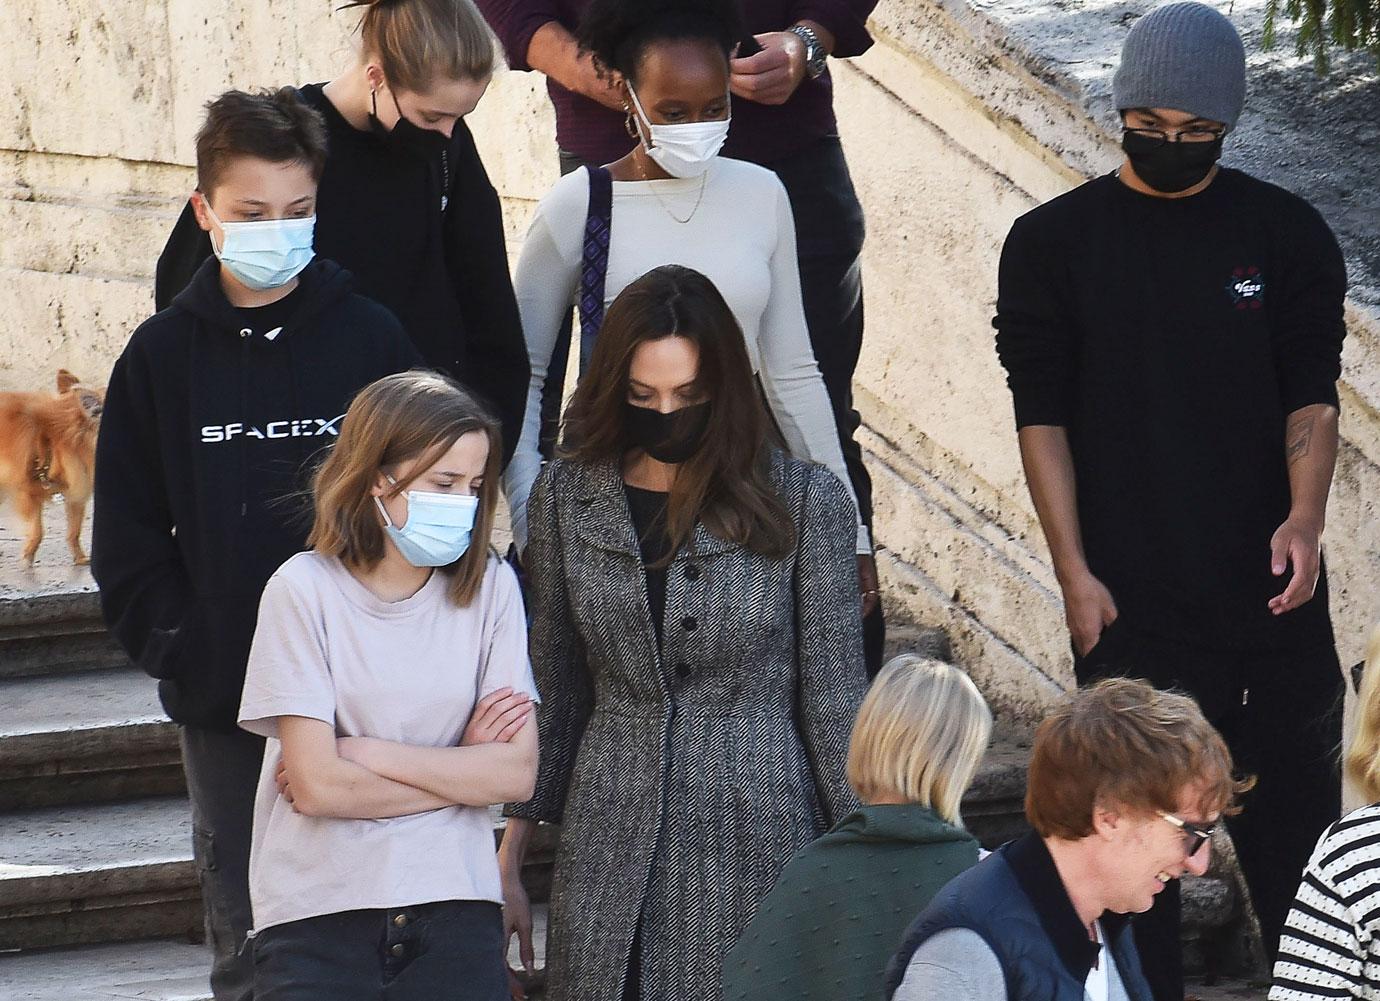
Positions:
(949, 137)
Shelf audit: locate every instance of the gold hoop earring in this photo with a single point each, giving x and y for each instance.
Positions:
(629, 125)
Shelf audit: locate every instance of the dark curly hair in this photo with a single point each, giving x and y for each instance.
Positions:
(617, 32)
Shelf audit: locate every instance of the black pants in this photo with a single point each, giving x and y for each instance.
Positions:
(1280, 714)
(446, 951)
(222, 777)
(829, 233)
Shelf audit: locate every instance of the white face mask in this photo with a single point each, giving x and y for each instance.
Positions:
(682, 150)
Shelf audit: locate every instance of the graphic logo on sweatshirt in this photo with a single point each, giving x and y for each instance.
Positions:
(1247, 287)
(306, 427)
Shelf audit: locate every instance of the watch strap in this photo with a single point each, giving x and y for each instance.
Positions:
(815, 56)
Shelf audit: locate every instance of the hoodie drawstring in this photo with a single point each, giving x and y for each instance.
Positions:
(245, 335)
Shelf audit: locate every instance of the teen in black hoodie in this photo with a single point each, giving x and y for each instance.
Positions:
(214, 414)
(213, 417)
(405, 202)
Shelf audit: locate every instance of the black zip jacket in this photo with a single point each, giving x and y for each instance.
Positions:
(442, 271)
(212, 420)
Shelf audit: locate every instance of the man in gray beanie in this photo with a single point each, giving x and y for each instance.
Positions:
(1172, 337)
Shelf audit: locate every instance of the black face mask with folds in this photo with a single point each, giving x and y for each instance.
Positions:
(1170, 167)
(427, 143)
(672, 437)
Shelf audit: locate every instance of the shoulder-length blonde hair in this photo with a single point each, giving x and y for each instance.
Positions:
(400, 418)
(920, 735)
(1363, 756)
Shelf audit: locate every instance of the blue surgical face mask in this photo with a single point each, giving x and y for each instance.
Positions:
(266, 253)
(438, 527)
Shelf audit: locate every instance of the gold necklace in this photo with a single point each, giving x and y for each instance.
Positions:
(704, 180)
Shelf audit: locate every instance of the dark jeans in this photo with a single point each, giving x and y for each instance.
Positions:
(829, 232)
(1280, 714)
(222, 777)
(451, 950)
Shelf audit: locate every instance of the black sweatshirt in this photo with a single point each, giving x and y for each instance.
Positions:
(213, 417)
(443, 273)
(1172, 338)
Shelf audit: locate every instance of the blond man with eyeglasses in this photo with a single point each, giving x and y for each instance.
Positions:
(1126, 786)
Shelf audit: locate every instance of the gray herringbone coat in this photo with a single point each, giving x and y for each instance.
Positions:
(685, 777)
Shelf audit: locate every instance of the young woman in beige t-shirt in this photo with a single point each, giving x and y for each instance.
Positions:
(389, 670)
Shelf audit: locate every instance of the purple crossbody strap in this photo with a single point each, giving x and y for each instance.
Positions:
(594, 259)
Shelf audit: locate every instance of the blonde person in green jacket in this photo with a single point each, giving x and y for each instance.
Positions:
(834, 917)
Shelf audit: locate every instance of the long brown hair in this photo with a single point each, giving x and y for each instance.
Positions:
(727, 483)
(408, 416)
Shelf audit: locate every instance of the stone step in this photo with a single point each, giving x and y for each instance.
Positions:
(102, 873)
(86, 737)
(149, 971)
(50, 612)
(54, 633)
(994, 806)
(109, 872)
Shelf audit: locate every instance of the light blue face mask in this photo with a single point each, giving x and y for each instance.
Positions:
(438, 527)
(266, 253)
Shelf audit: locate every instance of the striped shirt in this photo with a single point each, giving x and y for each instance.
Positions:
(1330, 947)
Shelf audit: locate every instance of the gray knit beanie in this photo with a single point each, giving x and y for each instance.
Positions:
(1185, 56)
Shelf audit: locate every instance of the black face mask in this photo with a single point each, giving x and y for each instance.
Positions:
(672, 437)
(427, 143)
(1170, 167)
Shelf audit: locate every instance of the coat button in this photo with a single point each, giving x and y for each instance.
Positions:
(400, 921)
(683, 669)
(689, 623)
(692, 572)
(398, 950)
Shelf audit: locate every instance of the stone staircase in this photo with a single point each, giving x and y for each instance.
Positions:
(98, 890)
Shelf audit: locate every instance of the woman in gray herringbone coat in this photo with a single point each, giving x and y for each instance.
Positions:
(697, 646)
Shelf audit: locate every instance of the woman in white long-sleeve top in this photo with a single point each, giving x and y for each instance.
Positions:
(672, 200)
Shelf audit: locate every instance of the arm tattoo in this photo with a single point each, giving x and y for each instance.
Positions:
(1298, 438)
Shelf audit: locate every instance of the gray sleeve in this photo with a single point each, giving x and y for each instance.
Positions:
(955, 965)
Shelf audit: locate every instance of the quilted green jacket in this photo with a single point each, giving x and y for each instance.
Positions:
(837, 913)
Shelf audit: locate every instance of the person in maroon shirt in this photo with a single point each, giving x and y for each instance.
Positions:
(783, 119)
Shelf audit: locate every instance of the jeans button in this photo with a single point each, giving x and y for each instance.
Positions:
(398, 950)
(400, 921)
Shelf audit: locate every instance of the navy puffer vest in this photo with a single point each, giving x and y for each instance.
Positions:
(1035, 940)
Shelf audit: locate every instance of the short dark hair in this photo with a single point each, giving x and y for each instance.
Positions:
(273, 125)
(617, 32)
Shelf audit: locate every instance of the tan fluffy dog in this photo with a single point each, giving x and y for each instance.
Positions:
(47, 447)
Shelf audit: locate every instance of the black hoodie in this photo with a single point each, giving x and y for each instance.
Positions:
(212, 419)
(421, 229)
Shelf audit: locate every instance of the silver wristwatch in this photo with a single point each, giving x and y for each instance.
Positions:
(814, 52)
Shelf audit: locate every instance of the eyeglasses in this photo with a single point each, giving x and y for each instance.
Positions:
(1194, 836)
(1194, 135)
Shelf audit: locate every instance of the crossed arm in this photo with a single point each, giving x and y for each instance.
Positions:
(366, 778)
